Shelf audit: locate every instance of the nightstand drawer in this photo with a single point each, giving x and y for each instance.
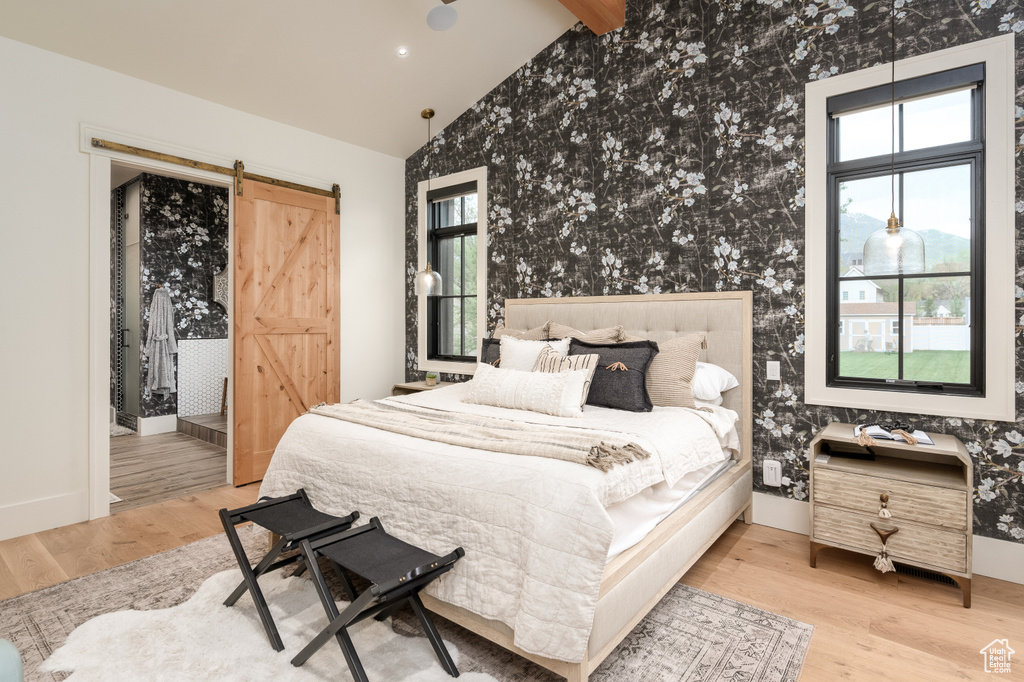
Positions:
(907, 501)
(913, 543)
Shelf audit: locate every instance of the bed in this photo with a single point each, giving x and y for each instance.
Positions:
(600, 600)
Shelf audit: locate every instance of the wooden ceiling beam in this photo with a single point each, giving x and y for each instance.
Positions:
(600, 16)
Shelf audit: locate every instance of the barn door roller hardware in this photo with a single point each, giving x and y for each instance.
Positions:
(238, 172)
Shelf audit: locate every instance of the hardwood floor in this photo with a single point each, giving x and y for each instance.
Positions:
(32, 562)
(145, 470)
(868, 626)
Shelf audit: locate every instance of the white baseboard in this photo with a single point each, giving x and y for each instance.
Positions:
(38, 515)
(993, 558)
(150, 426)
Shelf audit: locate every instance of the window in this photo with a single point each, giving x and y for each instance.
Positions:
(451, 247)
(452, 237)
(842, 327)
(934, 180)
(953, 183)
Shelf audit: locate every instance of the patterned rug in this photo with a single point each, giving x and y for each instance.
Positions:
(689, 635)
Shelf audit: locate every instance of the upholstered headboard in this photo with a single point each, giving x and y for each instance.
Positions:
(725, 317)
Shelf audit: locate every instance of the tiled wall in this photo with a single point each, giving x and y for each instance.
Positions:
(202, 367)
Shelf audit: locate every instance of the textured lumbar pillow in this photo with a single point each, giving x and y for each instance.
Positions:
(522, 354)
(536, 334)
(607, 335)
(671, 372)
(620, 381)
(559, 394)
(551, 360)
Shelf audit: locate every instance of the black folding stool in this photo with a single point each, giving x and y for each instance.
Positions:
(294, 519)
(397, 572)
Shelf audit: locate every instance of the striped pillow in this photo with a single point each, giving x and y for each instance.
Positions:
(550, 360)
(536, 334)
(607, 335)
(671, 372)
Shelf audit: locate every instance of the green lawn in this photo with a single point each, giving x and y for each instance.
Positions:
(947, 366)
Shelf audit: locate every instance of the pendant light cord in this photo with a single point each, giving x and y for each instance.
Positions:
(892, 157)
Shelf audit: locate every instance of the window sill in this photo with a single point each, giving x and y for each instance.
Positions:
(447, 366)
(998, 405)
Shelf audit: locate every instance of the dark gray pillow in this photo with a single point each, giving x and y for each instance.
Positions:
(490, 351)
(620, 381)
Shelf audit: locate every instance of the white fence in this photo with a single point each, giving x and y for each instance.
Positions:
(940, 337)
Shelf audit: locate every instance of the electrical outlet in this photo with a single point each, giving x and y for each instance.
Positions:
(772, 472)
(774, 371)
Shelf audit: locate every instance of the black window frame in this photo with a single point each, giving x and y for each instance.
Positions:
(939, 156)
(435, 234)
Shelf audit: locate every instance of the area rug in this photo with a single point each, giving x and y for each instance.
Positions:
(118, 430)
(161, 618)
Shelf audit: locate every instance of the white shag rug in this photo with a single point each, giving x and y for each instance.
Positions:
(118, 430)
(201, 639)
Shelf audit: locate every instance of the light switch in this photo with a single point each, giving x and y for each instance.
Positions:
(773, 370)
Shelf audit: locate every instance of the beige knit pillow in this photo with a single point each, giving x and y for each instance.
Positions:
(671, 372)
(606, 335)
(550, 360)
(536, 334)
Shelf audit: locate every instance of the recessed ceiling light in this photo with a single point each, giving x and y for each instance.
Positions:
(401, 52)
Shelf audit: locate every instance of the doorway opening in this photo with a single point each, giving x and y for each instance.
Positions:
(169, 345)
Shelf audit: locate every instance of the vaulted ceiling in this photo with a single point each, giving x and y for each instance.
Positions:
(327, 66)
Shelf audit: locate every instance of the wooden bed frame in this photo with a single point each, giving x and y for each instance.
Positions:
(636, 580)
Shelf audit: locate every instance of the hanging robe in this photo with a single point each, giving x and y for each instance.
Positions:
(161, 345)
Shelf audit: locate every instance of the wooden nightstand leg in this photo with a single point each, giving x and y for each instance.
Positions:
(965, 588)
(815, 548)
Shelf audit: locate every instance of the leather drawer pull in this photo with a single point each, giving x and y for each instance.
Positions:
(882, 562)
(884, 534)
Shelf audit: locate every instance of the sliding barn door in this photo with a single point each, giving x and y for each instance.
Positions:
(286, 274)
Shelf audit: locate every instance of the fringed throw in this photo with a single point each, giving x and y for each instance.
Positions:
(599, 449)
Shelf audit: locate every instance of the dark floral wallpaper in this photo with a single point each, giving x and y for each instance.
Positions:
(183, 243)
(668, 156)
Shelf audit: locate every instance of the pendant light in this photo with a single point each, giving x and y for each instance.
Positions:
(896, 250)
(427, 282)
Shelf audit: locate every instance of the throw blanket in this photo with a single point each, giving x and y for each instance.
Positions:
(601, 450)
(160, 345)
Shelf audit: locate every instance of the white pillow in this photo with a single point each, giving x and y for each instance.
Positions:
(711, 381)
(708, 403)
(556, 393)
(522, 355)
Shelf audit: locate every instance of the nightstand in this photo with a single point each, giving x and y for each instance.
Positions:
(416, 387)
(927, 489)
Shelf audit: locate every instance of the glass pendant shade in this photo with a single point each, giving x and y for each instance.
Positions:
(894, 251)
(428, 283)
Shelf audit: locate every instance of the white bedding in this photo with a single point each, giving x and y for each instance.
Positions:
(535, 530)
(637, 516)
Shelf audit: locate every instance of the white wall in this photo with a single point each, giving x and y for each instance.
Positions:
(44, 259)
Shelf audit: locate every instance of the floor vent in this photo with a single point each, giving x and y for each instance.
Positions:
(915, 572)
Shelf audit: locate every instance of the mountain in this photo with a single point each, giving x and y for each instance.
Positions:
(939, 247)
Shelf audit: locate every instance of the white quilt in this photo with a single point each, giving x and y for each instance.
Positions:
(535, 530)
